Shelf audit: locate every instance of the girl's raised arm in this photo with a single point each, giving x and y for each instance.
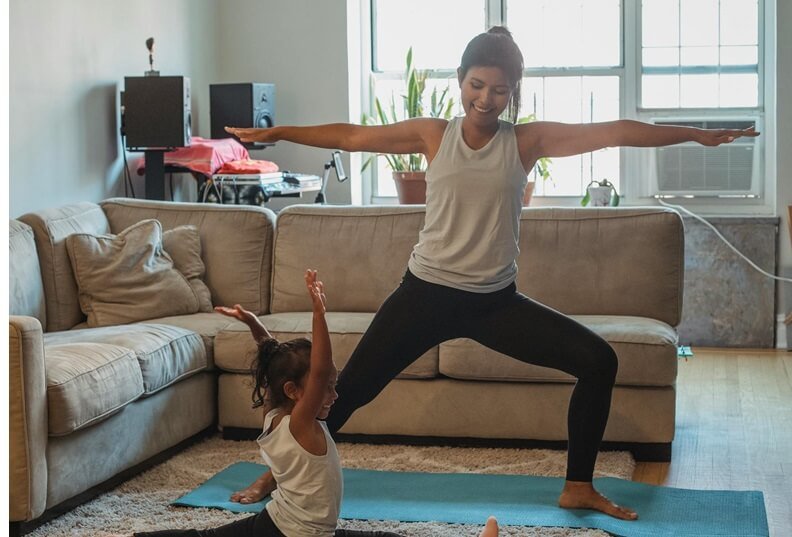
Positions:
(308, 407)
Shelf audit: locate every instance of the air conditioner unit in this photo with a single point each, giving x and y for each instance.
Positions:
(691, 169)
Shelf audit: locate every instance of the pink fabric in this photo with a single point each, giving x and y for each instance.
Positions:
(204, 155)
(248, 167)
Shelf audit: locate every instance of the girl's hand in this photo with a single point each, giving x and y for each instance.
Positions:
(237, 312)
(253, 135)
(715, 137)
(316, 291)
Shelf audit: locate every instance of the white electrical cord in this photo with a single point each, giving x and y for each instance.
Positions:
(697, 217)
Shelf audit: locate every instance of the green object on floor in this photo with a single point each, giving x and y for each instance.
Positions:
(515, 500)
(683, 351)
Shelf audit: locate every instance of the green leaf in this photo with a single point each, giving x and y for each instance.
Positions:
(585, 200)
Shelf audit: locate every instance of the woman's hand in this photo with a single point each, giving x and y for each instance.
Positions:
(253, 135)
(316, 291)
(713, 137)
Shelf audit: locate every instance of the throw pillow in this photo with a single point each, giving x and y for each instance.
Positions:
(128, 277)
(183, 244)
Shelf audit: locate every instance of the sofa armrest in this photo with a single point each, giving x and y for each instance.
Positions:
(27, 419)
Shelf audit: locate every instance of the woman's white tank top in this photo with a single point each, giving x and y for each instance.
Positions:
(473, 201)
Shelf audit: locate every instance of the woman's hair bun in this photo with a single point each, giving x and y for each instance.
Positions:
(502, 30)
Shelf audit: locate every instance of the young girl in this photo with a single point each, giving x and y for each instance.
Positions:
(297, 379)
(460, 279)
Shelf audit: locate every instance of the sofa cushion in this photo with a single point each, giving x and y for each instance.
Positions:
(183, 244)
(50, 228)
(165, 354)
(87, 383)
(361, 254)
(236, 234)
(646, 350)
(25, 287)
(127, 277)
(206, 325)
(235, 348)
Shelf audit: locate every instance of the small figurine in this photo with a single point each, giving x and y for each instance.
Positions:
(150, 47)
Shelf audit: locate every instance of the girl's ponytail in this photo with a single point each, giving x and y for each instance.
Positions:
(267, 350)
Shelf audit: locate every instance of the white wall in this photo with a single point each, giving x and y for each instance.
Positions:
(67, 64)
(301, 46)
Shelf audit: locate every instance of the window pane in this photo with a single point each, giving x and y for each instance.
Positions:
(739, 90)
(661, 57)
(660, 26)
(699, 23)
(739, 22)
(423, 25)
(660, 91)
(566, 33)
(698, 91)
(739, 55)
(699, 55)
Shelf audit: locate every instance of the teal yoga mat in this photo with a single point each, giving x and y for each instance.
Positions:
(515, 500)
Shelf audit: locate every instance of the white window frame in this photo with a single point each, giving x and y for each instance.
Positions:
(634, 183)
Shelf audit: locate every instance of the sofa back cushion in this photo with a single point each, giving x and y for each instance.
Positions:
(604, 261)
(361, 254)
(25, 288)
(594, 261)
(236, 244)
(50, 229)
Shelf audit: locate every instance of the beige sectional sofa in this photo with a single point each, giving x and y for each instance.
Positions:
(617, 270)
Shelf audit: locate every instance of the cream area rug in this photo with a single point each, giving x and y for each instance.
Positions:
(142, 503)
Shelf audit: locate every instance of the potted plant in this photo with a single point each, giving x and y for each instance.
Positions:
(600, 194)
(409, 171)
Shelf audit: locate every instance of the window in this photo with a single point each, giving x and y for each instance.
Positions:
(700, 54)
(587, 61)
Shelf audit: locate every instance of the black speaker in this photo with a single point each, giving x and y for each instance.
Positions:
(156, 112)
(249, 104)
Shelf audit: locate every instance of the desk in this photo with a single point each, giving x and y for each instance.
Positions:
(202, 158)
(252, 190)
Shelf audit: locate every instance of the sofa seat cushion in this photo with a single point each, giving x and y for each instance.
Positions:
(87, 383)
(235, 349)
(646, 349)
(165, 354)
(206, 325)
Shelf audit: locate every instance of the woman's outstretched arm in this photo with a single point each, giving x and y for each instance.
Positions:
(550, 139)
(404, 137)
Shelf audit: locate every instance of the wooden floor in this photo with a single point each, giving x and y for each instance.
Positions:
(733, 429)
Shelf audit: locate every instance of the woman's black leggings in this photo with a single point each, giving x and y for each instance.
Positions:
(259, 525)
(419, 315)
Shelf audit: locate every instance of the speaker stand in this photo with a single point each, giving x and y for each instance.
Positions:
(155, 174)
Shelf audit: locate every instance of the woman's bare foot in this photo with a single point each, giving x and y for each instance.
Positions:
(582, 495)
(491, 529)
(257, 491)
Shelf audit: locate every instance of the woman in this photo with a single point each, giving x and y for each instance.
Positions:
(460, 276)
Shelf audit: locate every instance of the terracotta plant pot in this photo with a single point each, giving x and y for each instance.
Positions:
(529, 189)
(411, 187)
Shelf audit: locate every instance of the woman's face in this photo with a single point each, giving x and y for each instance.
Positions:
(485, 94)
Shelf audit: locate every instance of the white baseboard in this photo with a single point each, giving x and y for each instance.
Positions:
(781, 332)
